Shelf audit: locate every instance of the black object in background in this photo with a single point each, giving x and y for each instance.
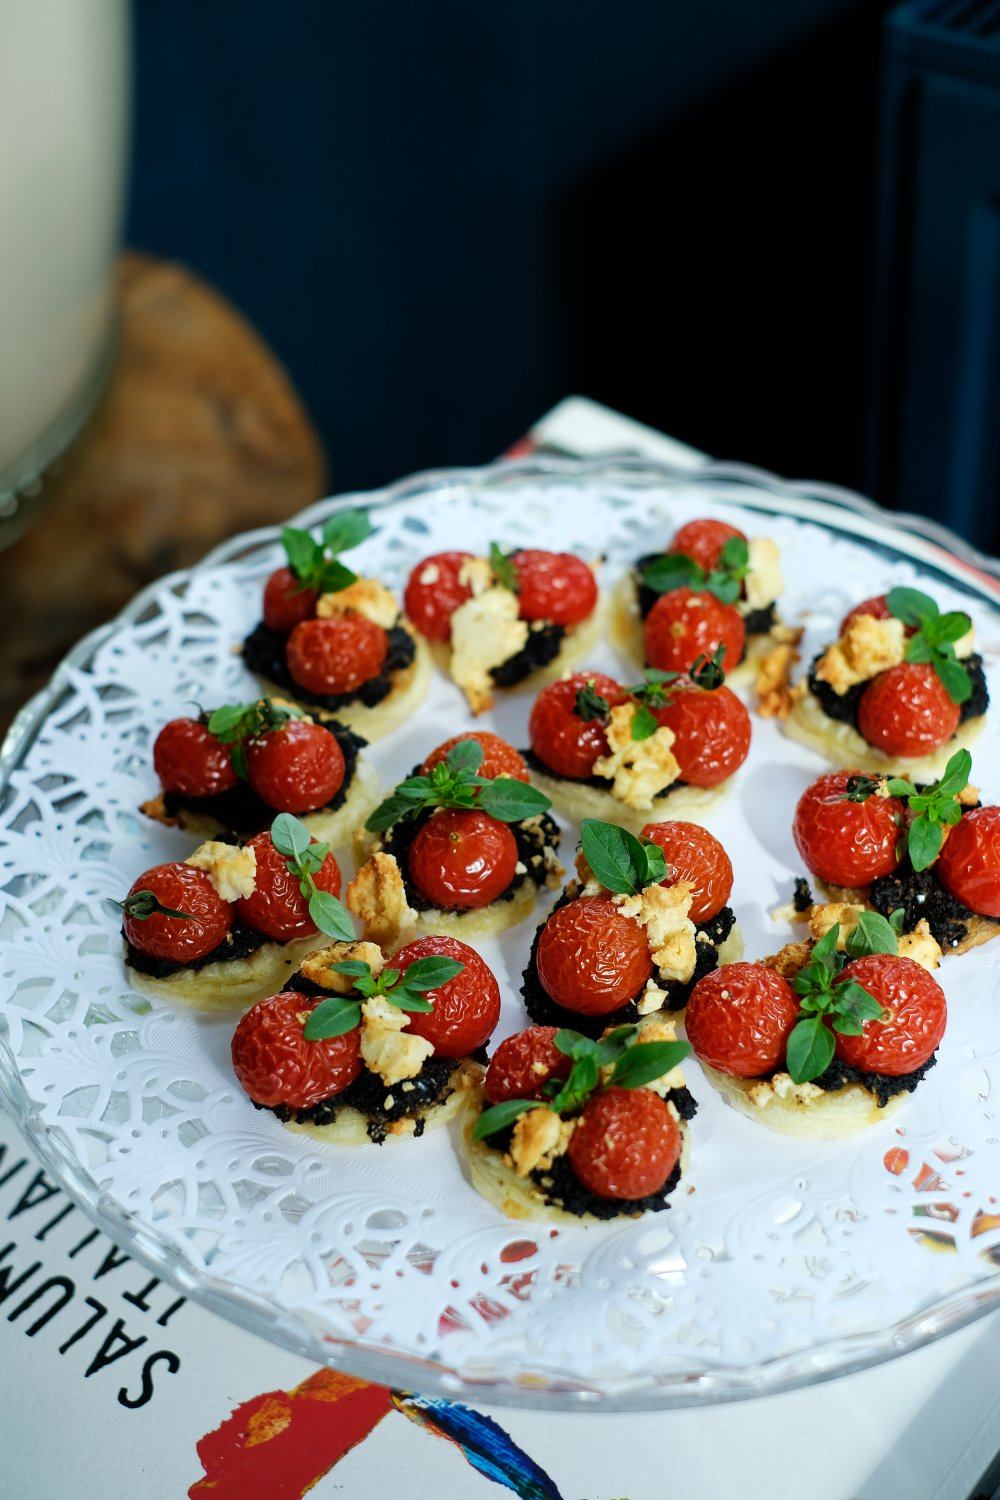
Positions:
(445, 217)
(936, 393)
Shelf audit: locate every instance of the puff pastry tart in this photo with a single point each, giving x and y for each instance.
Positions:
(232, 922)
(927, 857)
(668, 745)
(817, 1042)
(462, 846)
(713, 587)
(900, 690)
(567, 1129)
(633, 933)
(503, 621)
(335, 642)
(354, 1051)
(232, 770)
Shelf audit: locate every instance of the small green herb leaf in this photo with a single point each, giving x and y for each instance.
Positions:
(911, 606)
(644, 1061)
(467, 755)
(673, 571)
(954, 678)
(872, 934)
(644, 723)
(620, 861)
(511, 801)
(290, 836)
(304, 553)
(347, 529)
(499, 1116)
(432, 972)
(503, 567)
(810, 1049)
(330, 916)
(333, 1017)
(860, 788)
(924, 842)
(590, 704)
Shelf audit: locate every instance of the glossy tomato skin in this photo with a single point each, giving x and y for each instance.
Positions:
(906, 711)
(337, 655)
(969, 864)
(846, 843)
(739, 1019)
(695, 855)
(561, 739)
(434, 592)
(286, 602)
(554, 586)
(712, 732)
(462, 860)
(877, 607)
(625, 1145)
(703, 541)
(296, 768)
(277, 907)
(687, 623)
(189, 760)
(590, 958)
(499, 758)
(465, 1010)
(276, 1065)
(179, 940)
(915, 1013)
(523, 1063)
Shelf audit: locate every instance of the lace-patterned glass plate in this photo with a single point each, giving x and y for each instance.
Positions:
(779, 1263)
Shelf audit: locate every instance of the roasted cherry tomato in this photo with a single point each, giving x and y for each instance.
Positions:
(179, 940)
(277, 907)
(969, 864)
(523, 1063)
(189, 760)
(337, 655)
(561, 738)
(625, 1145)
(846, 843)
(687, 623)
(286, 602)
(695, 855)
(296, 768)
(461, 860)
(465, 1010)
(703, 541)
(877, 607)
(711, 731)
(554, 586)
(906, 711)
(435, 591)
(914, 1015)
(590, 958)
(739, 1019)
(276, 1065)
(499, 758)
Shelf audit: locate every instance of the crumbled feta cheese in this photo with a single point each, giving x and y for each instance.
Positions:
(763, 581)
(377, 896)
(774, 679)
(233, 871)
(365, 596)
(386, 1047)
(660, 1028)
(637, 769)
(476, 574)
(822, 918)
(867, 647)
(539, 1137)
(320, 966)
(966, 644)
(429, 573)
(651, 999)
(485, 632)
(921, 945)
(663, 911)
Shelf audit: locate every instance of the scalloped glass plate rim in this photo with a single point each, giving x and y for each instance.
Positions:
(925, 540)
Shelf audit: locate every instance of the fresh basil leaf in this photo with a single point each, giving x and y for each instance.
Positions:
(872, 934)
(919, 649)
(897, 920)
(725, 588)
(406, 999)
(898, 787)
(735, 554)
(656, 863)
(824, 954)
(581, 1083)
(327, 913)
(810, 1049)
(672, 571)
(333, 1017)
(855, 1003)
(946, 629)
(503, 568)
(923, 843)
(910, 605)
(387, 813)
(227, 720)
(347, 529)
(432, 972)
(290, 836)
(334, 576)
(511, 801)
(573, 1043)
(499, 1116)
(644, 723)
(956, 774)
(616, 856)
(354, 968)
(304, 553)
(611, 1047)
(644, 1061)
(954, 678)
(467, 755)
